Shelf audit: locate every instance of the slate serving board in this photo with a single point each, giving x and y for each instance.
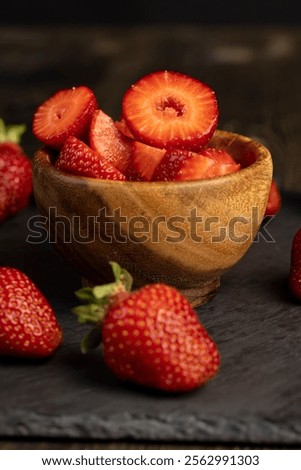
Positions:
(254, 320)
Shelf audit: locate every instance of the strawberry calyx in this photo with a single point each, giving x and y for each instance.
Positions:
(96, 302)
(11, 132)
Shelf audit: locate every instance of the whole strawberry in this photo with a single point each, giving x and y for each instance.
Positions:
(295, 268)
(15, 172)
(151, 336)
(28, 326)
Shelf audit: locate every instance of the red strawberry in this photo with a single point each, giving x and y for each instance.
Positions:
(274, 200)
(168, 109)
(145, 159)
(28, 326)
(106, 139)
(15, 172)
(295, 268)
(77, 158)
(225, 163)
(67, 112)
(151, 336)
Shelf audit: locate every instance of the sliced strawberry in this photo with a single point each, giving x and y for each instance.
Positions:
(107, 140)
(123, 128)
(77, 158)
(274, 200)
(67, 112)
(179, 165)
(132, 174)
(225, 163)
(145, 159)
(168, 109)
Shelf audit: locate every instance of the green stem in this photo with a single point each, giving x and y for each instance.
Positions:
(95, 302)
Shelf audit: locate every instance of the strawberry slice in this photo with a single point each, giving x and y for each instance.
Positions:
(67, 112)
(146, 159)
(77, 158)
(274, 200)
(225, 163)
(107, 140)
(168, 109)
(180, 165)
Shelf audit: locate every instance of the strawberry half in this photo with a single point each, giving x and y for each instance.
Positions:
(295, 268)
(77, 158)
(67, 112)
(145, 159)
(274, 200)
(151, 336)
(168, 109)
(182, 165)
(106, 139)
(225, 163)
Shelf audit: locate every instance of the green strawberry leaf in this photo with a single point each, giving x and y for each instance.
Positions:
(90, 313)
(122, 275)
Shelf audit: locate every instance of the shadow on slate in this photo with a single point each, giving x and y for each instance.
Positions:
(253, 319)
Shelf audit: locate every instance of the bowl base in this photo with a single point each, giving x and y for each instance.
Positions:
(200, 295)
(197, 296)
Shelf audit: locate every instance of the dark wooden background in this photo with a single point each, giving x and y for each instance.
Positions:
(255, 70)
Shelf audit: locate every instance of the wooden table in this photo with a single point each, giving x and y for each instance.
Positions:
(255, 71)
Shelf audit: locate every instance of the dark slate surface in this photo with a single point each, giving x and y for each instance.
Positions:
(254, 320)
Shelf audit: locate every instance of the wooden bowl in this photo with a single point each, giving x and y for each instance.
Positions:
(186, 234)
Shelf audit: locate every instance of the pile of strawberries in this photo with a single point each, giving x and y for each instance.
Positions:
(163, 134)
(166, 124)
